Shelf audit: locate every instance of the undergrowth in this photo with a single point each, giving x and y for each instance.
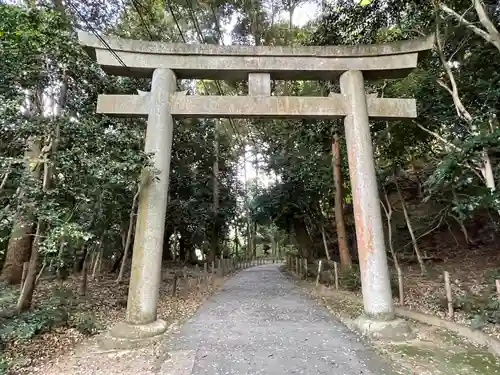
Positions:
(482, 308)
(60, 310)
(350, 279)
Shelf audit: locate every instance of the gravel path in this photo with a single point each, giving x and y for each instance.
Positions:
(261, 323)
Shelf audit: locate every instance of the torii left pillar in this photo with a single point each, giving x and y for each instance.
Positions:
(141, 324)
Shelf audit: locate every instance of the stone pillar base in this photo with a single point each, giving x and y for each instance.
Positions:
(132, 336)
(387, 330)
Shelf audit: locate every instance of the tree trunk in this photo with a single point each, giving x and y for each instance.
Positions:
(189, 250)
(175, 246)
(61, 272)
(325, 244)
(167, 251)
(410, 229)
(236, 241)
(273, 245)
(83, 284)
(345, 255)
(303, 239)
(191, 253)
(116, 263)
(78, 266)
(388, 215)
(26, 296)
(129, 236)
(215, 175)
(182, 249)
(21, 237)
(18, 251)
(98, 259)
(463, 229)
(254, 239)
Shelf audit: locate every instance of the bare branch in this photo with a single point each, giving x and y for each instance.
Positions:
(437, 136)
(460, 108)
(444, 85)
(383, 206)
(493, 33)
(5, 177)
(461, 19)
(440, 214)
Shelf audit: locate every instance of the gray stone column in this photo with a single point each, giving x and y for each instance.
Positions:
(377, 296)
(141, 321)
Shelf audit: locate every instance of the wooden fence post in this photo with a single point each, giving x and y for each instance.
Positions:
(24, 274)
(174, 284)
(401, 287)
(319, 273)
(336, 270)
(449, 296)
(220, 270)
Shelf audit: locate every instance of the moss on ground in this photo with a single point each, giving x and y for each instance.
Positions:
(449, 360)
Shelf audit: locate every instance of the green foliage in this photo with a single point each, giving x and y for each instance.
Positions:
(85, 323)
(8, 296)
(61, 309)
(4, 365)
(350, 278)
(491, 276)
(54, 312)
(394, 285)
(482, 309)
(99, 159)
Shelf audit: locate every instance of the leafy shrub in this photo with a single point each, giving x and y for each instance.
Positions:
(350, 278)
(8, 297)
(4, 365)
(481, 309)
(53, 313)
(25, 326)
(394, 285)
(85, 323)
(491, 276)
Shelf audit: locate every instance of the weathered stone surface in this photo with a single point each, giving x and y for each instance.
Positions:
(377, 298)
(124, 105)
(143, 46)
(145, 275)
(259, 84)
(125, 330)
(236, 62)
(212, 106)
(391, 330)
(132, 336)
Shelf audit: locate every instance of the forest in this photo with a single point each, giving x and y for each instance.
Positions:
(70, 178)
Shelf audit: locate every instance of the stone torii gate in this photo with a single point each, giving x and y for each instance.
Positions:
(166, 63)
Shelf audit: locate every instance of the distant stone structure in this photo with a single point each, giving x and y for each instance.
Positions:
(166, 63)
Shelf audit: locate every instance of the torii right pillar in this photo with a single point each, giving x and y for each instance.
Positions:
(379, 319)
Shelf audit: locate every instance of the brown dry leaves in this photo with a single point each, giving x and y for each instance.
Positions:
(467, 271)
(66, 351)
(433, 351)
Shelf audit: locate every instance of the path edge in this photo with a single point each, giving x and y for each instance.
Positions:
(475, 336)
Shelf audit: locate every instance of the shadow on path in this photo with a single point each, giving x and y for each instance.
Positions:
(261, 323)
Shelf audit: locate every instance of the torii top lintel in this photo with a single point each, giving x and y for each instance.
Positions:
(202, 61)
